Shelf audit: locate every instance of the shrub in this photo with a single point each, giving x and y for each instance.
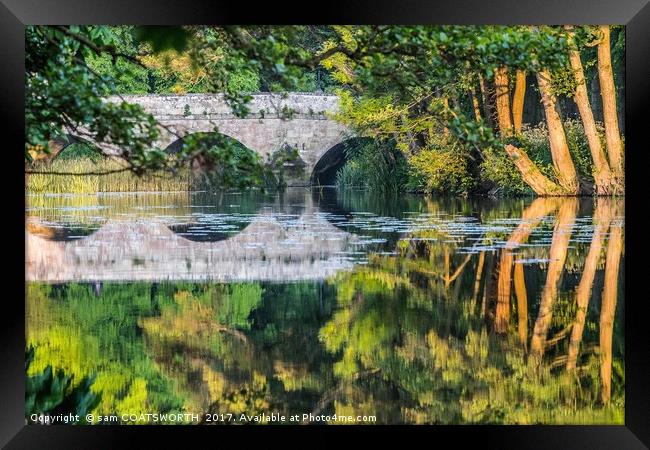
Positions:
(441, 168)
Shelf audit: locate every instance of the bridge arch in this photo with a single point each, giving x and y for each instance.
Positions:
(59, 145)
(330, 162)
(210, 137)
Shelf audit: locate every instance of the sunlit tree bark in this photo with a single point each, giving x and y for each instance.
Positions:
(557, 255)
(602, 218)
(518, 100)
(564, 169)
(605, 183)
(475, 105)
(502, 89)
(531, 174)
(608, 310)
(608, 94)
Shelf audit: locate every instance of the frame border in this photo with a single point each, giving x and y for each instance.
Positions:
(635, 14)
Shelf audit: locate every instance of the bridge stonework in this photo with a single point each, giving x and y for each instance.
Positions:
(274, 122)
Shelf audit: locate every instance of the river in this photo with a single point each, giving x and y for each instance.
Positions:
(320, 304)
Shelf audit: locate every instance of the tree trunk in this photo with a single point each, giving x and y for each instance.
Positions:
(518, 100)
(608, 309)
(608, 94)
(557, 255)
(531, 173)
(562, 161)
(475, 106)
(486, 102)
(605, 183)
(602, 218)
(502, 90)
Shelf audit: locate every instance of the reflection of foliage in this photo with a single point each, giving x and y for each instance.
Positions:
(228, 351)
(51, 393)
(74, 330)
(427, 339)
(405, 337)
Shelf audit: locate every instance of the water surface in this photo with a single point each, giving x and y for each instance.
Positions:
(386, 309)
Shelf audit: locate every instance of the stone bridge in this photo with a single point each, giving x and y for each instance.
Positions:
(301, 121)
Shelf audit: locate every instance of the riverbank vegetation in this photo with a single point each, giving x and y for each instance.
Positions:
(449, 109)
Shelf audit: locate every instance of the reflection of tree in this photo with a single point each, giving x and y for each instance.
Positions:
(404, 336)
(557, 255)
(602, 219)
(86, 335)
(608, 309)
(230, 352)
(531, 217)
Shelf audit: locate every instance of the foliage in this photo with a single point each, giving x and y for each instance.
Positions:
(112, 182)
(62, 92)
(441, 168)
(70, 69)
(377, 165)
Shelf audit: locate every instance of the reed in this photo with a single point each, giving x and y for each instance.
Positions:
(112, 182)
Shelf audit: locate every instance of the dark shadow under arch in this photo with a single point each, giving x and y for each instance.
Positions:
(325, 170)
(204, 137)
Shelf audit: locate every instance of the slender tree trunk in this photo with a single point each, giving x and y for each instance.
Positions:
(502, 89)
(602, 218)
(522, 304)
(608, 94)
(485, 99)
(608, 310)
(559, 245)
(562, 161)
(518, 100)
(605, 183)
(475, 105)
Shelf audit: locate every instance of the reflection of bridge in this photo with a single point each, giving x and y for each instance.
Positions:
(275, 122)
(271, 247)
